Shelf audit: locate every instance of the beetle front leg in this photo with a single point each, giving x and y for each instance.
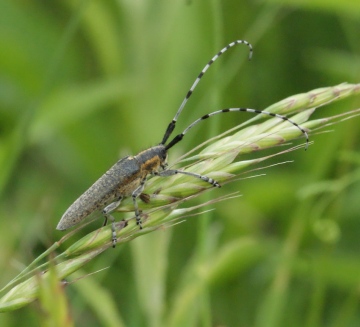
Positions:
(106, 212)
(134, 195)
(170, 172)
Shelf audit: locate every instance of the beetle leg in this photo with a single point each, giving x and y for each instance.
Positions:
(106, 212)
(134, 195)
(170, 172)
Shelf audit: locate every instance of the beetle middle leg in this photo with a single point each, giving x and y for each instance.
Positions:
(134, 195)
(106, 212)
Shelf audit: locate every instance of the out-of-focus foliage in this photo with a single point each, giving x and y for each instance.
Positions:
(83, 83)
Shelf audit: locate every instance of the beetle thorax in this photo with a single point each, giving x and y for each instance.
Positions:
(152, 159)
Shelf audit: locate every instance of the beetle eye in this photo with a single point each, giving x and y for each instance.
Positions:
(164, 156)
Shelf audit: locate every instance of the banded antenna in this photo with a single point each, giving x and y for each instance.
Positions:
(179, 137)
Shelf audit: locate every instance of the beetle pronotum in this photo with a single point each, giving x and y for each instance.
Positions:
(128, 176)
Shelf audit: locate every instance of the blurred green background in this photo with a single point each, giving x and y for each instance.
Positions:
(83, 83)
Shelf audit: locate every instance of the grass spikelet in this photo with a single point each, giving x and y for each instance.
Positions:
(220, 158)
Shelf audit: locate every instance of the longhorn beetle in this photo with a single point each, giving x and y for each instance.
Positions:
(128, 176)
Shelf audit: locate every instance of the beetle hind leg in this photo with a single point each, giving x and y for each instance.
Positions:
(107, 215)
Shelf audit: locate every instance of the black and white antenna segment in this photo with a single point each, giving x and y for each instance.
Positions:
(179, 137)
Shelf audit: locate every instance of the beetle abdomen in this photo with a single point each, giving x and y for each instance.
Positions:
(120, 180)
